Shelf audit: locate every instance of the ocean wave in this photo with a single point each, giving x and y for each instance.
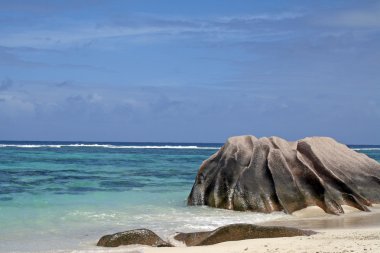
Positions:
(366, 149)
(104, 146)
(29, 146)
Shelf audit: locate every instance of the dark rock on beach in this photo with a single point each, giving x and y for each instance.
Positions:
(238, 232)
(137, 236)
(272, 174)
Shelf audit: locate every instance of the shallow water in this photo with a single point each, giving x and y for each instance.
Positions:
(65, 196)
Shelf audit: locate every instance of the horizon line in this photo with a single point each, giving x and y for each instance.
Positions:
(166, 142)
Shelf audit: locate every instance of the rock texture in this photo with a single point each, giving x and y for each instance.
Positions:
(137, 236)
(238, 232)
(272, 174)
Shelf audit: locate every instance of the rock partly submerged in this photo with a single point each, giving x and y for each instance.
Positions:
(237, 232)
(272, 174)
(234, 232)
(136, 236)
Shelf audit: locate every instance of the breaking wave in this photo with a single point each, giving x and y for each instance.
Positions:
(366, 149)
(105, 146)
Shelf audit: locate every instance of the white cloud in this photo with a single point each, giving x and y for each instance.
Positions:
(368, 18)
(14, 106)
(86, 32)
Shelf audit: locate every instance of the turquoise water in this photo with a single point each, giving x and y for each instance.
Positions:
(57, 196)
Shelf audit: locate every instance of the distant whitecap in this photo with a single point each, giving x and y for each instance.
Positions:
(105, 146)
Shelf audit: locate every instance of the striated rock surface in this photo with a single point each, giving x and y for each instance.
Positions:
(137, 236)
(272, 174)
(236, 232)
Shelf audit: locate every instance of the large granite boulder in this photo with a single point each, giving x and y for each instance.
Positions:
(272, 174)
(236, 232)
(137, 236)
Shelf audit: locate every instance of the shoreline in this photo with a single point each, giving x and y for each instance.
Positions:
(354, 231)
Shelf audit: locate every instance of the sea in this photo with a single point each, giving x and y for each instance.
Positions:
(63, 196)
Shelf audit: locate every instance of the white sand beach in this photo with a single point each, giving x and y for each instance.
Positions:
(332, 240)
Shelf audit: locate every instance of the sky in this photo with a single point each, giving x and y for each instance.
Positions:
(189, 71)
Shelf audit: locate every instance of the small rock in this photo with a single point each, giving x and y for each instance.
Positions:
(137, 236)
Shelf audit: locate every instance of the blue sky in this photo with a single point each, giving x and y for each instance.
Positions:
(189, 71)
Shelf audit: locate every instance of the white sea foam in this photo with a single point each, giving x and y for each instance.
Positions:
(79, 230)
(28, 146)
(366, 149)
(104, 146)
